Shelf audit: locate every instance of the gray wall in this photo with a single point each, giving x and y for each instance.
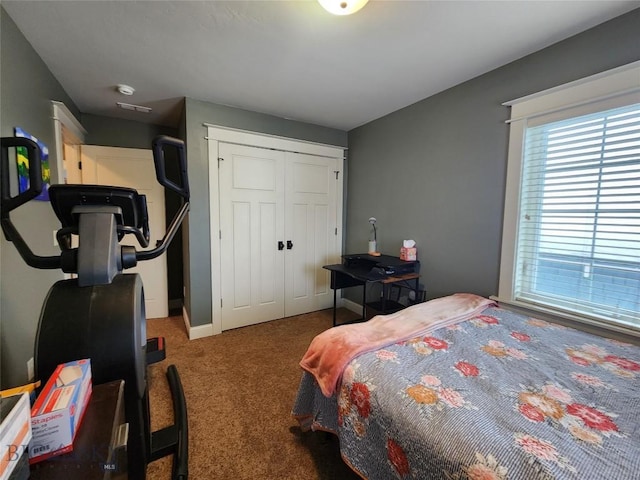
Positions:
(198, 261)
(115, 132)
(27, 88)
(435, 171)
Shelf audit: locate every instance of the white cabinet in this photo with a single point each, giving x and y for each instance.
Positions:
(279, 221)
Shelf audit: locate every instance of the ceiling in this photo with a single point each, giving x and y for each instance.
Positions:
(291, 59)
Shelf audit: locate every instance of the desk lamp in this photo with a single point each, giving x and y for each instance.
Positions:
(373, 244)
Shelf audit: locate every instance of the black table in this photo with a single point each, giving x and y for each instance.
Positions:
(363, 269)
(95, 454)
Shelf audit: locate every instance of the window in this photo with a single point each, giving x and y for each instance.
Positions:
(572, 218)
(579, 237)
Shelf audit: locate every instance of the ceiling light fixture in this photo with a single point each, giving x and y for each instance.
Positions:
(125, 89)
(342, 7)
(136, 108)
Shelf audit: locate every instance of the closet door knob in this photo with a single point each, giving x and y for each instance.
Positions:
(289, 244)
(280, 245)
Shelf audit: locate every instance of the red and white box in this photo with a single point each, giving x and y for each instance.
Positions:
(58, 411)
(408, 253)
(15, 432)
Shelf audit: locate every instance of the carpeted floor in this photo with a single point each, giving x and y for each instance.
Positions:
(240, 387)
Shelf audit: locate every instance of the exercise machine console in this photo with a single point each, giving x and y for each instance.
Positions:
(100, 313)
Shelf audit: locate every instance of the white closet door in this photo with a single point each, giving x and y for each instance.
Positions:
(251, 186)
(310, 225)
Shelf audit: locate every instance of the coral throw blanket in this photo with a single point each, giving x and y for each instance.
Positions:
(332, 350)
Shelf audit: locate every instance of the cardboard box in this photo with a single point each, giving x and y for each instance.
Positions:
(58, 411)
(408, 253)
(15, 433)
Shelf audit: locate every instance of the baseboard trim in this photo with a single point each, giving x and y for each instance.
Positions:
(200, 331)
(351, 305)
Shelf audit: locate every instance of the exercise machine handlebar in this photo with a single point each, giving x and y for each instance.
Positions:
(9, 203)
(159, 146)
(35, 173)
(68, 258)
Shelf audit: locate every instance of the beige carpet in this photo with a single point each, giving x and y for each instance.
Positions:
(240, 387)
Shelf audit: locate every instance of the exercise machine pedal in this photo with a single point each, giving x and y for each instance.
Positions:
(155, 350)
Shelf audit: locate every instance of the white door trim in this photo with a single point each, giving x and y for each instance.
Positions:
(254, 139)
(62, 117)
(217, 134)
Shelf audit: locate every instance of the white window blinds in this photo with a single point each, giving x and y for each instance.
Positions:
(578, 238)
(571, 234)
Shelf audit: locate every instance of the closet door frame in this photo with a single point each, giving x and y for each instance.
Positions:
(218, 134)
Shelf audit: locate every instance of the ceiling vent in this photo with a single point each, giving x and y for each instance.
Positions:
(135, 108)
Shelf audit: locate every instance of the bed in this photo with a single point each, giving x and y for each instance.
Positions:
(485, 393)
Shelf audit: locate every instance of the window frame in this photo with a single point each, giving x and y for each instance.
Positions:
(604, 91)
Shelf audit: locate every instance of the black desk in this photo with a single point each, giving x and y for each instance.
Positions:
(93, 456)
(363, 269)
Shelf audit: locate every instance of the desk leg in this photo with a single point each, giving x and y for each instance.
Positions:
(385, 292)
(335, 290)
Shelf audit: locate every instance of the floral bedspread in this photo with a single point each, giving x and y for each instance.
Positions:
(500, 396)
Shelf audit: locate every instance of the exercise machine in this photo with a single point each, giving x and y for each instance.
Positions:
(99, 314)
